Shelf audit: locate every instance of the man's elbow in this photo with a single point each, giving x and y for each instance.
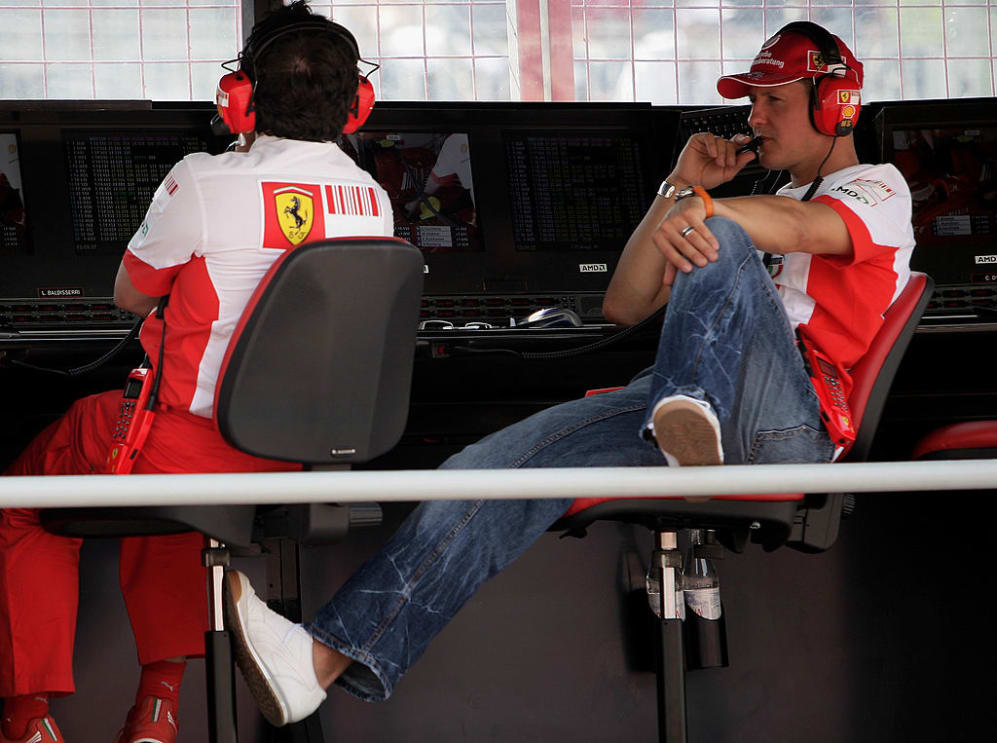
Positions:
(132, 307)
(134, 302)
(619, 313)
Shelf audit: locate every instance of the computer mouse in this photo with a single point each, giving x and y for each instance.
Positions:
(551, 317)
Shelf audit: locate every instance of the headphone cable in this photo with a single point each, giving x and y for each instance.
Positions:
(819, 179)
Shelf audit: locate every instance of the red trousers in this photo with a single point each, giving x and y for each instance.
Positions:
(162, 579)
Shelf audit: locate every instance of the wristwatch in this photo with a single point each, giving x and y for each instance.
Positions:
(667, 189)
(685, 193)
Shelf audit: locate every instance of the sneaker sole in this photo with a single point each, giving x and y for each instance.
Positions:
(250, 665)
(690, 437)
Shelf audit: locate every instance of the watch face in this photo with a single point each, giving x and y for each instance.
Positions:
(666, 189)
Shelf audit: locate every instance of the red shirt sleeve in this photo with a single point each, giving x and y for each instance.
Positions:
(154, 282)
(863, 247)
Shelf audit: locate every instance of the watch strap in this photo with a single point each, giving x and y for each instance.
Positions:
(707, 201)
(699, 191)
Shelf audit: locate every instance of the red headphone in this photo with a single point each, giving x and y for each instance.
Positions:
(234, 95)
(835, 100)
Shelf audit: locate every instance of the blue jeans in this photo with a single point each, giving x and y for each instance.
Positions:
(725, 340)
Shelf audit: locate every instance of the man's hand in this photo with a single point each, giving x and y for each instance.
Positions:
(708, 160)
(657, 249)
(684, 239)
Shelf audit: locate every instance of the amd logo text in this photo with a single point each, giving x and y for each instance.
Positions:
(593, 268)
(986, 259)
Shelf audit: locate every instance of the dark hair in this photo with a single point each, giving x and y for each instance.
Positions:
(304, 71)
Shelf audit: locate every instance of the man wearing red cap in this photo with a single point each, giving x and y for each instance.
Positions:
(728, 386)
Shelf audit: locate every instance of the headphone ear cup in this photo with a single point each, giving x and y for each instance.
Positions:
(232, 97)
(836, 106)
(363, 104)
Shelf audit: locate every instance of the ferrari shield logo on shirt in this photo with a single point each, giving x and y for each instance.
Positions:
(295, 213)
(290, 215)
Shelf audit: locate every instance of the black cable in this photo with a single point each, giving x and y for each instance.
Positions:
(92, 365)
(161, 315)
(819, 179)
(756, 187)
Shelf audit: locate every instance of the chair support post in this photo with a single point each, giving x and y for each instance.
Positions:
(218, 666)
(670, 661)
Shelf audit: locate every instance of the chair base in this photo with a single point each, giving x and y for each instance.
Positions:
(220, 670)
(670, 672)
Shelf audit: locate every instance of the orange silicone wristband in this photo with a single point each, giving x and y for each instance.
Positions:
(707, 201)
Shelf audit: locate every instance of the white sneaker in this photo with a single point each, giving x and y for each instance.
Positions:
(273, 653)
(687, 431)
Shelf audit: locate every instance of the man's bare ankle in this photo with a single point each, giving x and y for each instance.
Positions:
(329, 664)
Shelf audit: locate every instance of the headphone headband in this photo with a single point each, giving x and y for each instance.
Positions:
(255, 47)
(825, 42)
(236, 92)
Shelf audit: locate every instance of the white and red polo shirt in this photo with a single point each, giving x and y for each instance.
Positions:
(841, 299)
(215, 226)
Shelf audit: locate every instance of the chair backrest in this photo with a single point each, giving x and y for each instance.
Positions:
(319, 367)
(873, 375)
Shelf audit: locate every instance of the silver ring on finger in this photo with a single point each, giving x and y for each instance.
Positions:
(686, 230)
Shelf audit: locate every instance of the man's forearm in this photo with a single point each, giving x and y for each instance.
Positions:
(780, 224)
(636, 289)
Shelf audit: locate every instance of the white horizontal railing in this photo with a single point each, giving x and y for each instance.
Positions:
(422, 485)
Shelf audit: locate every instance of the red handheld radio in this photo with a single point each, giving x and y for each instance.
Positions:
(133, 424)
(832, 384)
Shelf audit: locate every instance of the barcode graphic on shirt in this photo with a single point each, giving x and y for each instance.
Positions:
(352, 200)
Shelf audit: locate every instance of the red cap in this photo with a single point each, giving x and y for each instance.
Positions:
(788, 57)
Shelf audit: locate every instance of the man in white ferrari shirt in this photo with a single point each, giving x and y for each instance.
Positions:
(215, 226)
(728, 384)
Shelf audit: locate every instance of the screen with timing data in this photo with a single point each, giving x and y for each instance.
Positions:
(112, 178)
(76, 179)
(574, 192)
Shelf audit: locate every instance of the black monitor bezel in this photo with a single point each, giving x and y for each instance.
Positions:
(28, 249)
(961, 113)
(500, 268)
(40, 125)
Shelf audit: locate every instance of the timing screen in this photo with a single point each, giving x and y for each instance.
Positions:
(428, 179)
(112, 178)
(574, 192)
(13, 219)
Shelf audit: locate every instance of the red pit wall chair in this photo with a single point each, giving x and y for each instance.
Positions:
(807, 522)
(972, 440)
